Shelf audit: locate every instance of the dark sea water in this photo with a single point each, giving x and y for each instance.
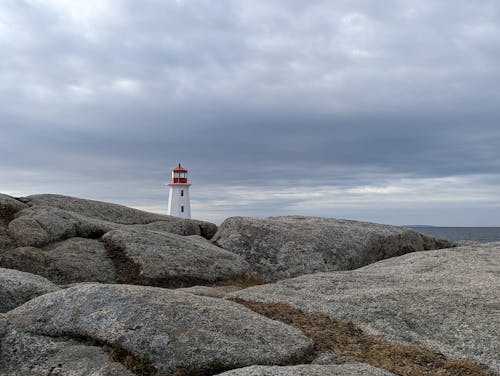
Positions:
(480, 234)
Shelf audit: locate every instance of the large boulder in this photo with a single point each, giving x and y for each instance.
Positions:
(51, 218)
(283, 247)
(96, 209)
(355, 369)
(169, 260)
(69, 261)
(24, 354)
(120, 214)
(166, 329)
(447, 300)
(41, 225)
(17, 287)
(8, 207)
(6, 242)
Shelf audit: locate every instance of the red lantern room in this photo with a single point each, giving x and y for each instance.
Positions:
(179, 175)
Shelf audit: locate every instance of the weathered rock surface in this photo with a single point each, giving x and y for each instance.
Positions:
(120, 214)
(6, 241)
(17, 287)
(41, 219)
(8, 207)
(447, 300)
(283, 247)
(56, 236)
(356, 369)
(104, 211)
(70, 261)
(41, 225)
(162, 259)
(213, 292)
(24, 354)
(169, 329)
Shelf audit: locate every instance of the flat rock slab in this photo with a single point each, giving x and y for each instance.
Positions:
(356, 369)
(17, 287)
(169, 329)
(162, 259)
(447, 300)
(24, 354)
(284, 247)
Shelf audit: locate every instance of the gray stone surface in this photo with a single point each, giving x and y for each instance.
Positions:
(120, 214)
(213, 292)
(6, 242)
(284, 247)
(8, 207)
(80, 260)
(27, 259)
(44, 236)
(69, 261)
(172, 260)
(170, 329)
(356, 369)
(17, 287)
(41, 225)
(448, 299)
(104, 211)
(24, 354)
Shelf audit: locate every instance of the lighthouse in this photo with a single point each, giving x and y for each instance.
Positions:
(178, 198)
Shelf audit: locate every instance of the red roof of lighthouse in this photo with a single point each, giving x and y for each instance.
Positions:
(179, 168)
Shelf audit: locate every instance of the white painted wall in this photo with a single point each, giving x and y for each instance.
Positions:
(176, 201)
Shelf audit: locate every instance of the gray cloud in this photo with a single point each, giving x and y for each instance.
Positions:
(262, 95)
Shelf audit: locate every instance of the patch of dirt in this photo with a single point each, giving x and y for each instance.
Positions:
(349, 341)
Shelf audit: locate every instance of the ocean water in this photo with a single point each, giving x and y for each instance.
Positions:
(480, 234)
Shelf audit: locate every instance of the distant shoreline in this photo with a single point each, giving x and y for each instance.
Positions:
(480, 234)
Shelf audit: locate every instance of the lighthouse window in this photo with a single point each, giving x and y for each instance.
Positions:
(182, 209)
(182, 192)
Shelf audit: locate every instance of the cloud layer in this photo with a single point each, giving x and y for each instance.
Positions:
(385, 112)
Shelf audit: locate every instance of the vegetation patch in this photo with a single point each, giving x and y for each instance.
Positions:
(349, 341)
(129, 361)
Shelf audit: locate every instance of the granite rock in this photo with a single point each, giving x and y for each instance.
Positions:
(447, 300)
(8, 207)
(355, 369)
(24, 354)
(284, 247)
(168, 329)
(119, 214)
(213, 292)
(69, 261)
(17, 287)
(163, 259)
(41, 225)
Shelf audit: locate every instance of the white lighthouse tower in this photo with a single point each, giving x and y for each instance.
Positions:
(178, 198)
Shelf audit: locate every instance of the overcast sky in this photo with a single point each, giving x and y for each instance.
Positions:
(386, 111)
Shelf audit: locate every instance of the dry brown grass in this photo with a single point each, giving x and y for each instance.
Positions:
(135, 365)
(348, 340)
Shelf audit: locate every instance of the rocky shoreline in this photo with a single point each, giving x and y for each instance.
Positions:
(93, 288)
